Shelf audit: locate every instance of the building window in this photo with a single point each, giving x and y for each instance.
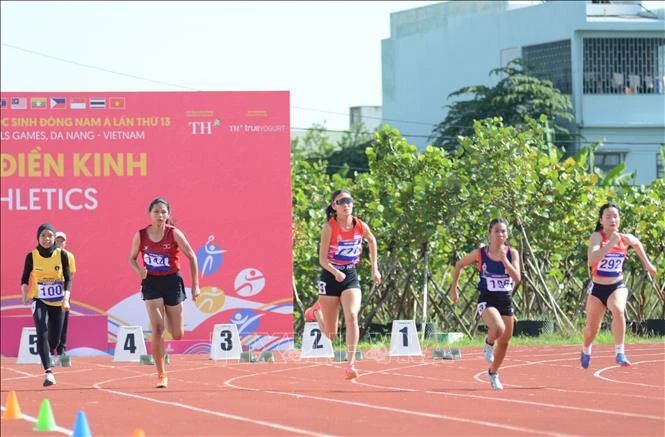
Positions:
(660, 172)
(551, 62)
(624, 65)
(606, 161)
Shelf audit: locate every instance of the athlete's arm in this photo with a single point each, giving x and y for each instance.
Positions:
(636, 244)
(459, 265)
(136, 243)
(512, 267)
(184, 245)
(595, 252)
(25, 278)
(324, 245)
(66, 272)
(371, 242)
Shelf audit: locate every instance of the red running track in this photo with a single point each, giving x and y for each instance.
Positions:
(546, 393)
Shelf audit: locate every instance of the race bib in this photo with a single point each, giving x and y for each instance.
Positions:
(50, 291)
(499, 283)
(348, 250)
(155, 261)
(611, 265)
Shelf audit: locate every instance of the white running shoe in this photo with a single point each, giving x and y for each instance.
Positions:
(494, 381)
(49, 379)
(488, 352)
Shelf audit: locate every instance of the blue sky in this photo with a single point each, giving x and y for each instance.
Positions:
(327, 54)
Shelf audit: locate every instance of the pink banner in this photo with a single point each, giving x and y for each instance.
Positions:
(90, 164)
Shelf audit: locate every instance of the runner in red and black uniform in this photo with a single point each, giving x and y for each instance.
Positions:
(162, 286)
(607, 252)
(339, 253)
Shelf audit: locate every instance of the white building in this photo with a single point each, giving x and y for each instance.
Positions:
(370, 116)
(609, 57)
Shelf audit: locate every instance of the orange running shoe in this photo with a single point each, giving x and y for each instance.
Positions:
(162, 381)
(309, 312)
(350, 372)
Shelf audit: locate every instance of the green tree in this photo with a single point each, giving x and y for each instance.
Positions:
(513, 98)
(350, 153)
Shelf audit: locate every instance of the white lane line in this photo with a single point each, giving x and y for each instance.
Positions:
(230, 383)
(574, 391)
(34, 420)
(285, 428)
(598, 372)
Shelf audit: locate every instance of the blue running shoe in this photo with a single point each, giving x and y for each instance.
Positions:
(488, 352)
(585, 359)
(622, 360)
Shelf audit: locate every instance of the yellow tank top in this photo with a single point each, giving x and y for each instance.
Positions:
(48, 280)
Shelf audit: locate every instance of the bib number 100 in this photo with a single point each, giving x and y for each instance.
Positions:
(48, 290)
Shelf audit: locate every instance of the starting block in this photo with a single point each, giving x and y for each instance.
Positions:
(263, 357)
(267, 357)
(64, 360)
(247, 357)
(447, 354)
(147, 360)
(343, 355)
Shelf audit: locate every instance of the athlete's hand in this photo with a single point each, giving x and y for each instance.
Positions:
(340, 276)
(24, 298)
(503, 253)
(652, 270)
(65, 304)
(454, 297)
(195, 292)
(376, 276)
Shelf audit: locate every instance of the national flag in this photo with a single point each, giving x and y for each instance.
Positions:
(38, 102)
(97, 102)
(58, 103)
(3, 103)
(117, 102)
(77, 103)
(19, 102)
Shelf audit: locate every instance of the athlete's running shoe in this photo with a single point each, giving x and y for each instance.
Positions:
(622, 360)
(350, 372)
(162, 381)
(494, 381)
(488, 352)
(585, 359)
(49, 379)
(309, 312)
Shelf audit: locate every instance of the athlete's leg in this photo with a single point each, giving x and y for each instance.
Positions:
(495, 324)
(595, 310)
(502, 343)
(55, 320)
(156, 313)
(616, 303)
(350, 299)
(40, 317)
(62, 345)
(327, 316)
(175, 322)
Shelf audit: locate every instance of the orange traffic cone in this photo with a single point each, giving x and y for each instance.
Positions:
(12, 410)
(138, 432)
